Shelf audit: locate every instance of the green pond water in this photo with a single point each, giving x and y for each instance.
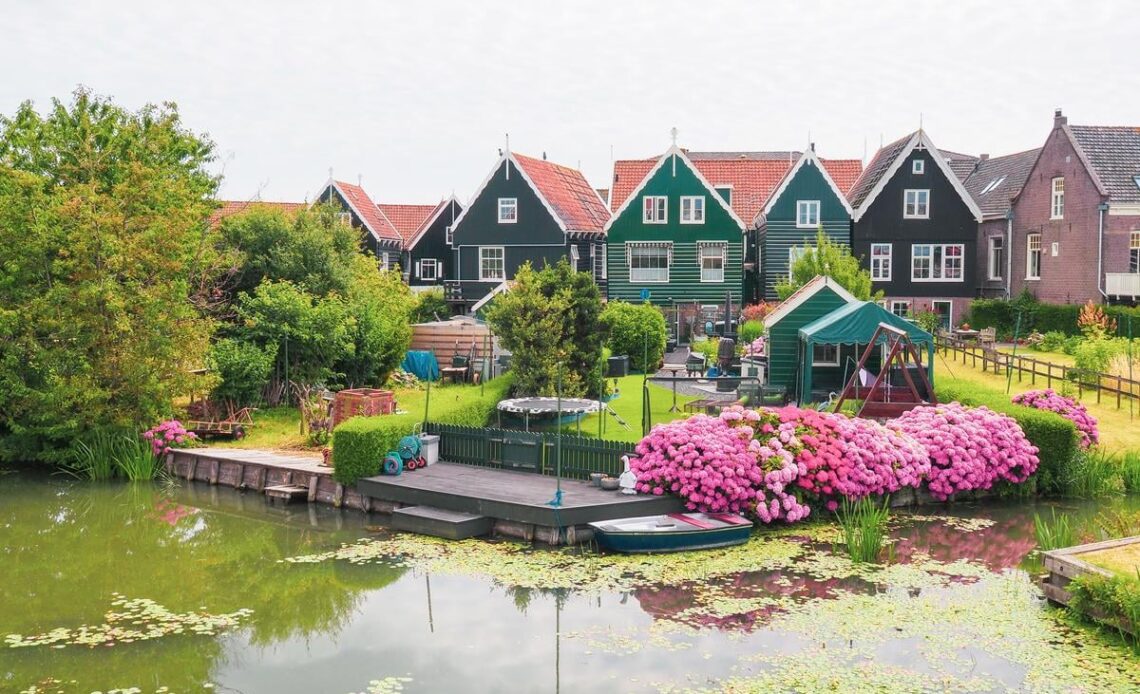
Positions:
(189, 588)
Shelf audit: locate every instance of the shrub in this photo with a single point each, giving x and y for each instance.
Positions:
(1093, 355)
(243, 369)
(758, 312)
(167, 435)
(928, 321)
(430, 306)
(1070, 409)
(1054, 436)
(707, 347)
(636, 330)
(1052, 341)
(750, 330)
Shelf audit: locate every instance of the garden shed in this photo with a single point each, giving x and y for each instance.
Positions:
(816, 299)
(830, 345)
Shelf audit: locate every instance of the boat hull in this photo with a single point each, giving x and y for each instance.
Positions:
(638, 541)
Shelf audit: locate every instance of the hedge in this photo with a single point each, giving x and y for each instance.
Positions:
(1055, 437)
(360, 443)
(1040, 317)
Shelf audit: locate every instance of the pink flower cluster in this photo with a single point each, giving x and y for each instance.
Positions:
(167, 435)
(1070, 409)
(755, 348)
(969, 448)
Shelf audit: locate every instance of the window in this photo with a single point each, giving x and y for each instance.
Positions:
(1134, 251)
(1033, 257)
(918, 166)
(712, 261)
(449, 236)
(881, 256)
(916, 204)
(901, 308)
(382, 261)
(996, 256)
(794, 254)
(807, 214)
(1058, 206)
(508, 210)
(344, 217)
(936, 262)
(1136, 180)
(825, 355)
(649, 262)
(992, 184)
(653, 209)
(605, 263)
(491, 264)
(429, 269)
(725, 193)
(574, 257)
(945, 311)
(692, 209)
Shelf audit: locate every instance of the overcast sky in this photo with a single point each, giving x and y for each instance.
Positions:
(416, 96)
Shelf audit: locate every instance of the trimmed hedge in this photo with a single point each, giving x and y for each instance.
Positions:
(1055, 437)
(1040, 317)
(360, 443)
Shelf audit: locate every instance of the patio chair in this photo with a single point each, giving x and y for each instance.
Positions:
(987, 338)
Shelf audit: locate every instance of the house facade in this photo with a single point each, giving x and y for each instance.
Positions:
(526, 210)
(993, 184)
(427, 259)
(1076, 220)
(916, 228)
(812, 196)
(378, 235)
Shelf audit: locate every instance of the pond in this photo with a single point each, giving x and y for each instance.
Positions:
(197, 588)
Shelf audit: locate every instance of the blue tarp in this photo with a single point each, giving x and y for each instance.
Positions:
(422, 364)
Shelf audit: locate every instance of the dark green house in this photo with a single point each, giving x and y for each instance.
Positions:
(810, 302)
(676, 238)
(808, 198)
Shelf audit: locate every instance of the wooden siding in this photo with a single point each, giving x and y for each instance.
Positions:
(784, 337)
(480, 225)
(433, 244)
(684, 283)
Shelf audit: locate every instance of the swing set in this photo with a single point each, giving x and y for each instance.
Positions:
(882, 399)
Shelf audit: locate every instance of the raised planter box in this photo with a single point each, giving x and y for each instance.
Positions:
(366, 402)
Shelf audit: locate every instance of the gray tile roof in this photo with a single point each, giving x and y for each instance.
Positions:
(961, 164)
(1114, 152)
(876, 169)
(994, 181)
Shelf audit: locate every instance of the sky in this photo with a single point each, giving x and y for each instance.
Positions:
(416, 97)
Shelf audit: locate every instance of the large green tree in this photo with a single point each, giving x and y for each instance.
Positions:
(832, 260)
(105, 256)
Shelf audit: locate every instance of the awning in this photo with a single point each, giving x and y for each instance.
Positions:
(856, 323)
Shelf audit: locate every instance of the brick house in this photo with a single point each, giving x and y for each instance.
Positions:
(1076, 221)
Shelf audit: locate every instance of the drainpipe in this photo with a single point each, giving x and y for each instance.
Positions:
(1101, 208)
(1009, 254)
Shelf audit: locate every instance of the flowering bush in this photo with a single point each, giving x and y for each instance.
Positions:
(755, 348)
(775, 445)
(167, 435)
(969, 448)
(758, 311)
(1048, 399)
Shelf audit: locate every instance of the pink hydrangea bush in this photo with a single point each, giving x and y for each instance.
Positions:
(775, 446)
(969, 448)
(756, 347)
(167, 435)
(1070, 409)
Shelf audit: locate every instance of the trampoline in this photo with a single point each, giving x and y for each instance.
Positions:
(547, 408)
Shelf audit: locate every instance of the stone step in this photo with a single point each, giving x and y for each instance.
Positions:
(437, 522)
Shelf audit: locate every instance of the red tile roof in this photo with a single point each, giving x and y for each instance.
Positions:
(373, 219)
(753, 179)
(232, 207)
(567, 192)
(408, 218)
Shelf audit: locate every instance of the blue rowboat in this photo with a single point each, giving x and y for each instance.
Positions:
(674, 532)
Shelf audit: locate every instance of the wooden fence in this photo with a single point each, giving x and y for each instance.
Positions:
(507, 449)
(1040, 373)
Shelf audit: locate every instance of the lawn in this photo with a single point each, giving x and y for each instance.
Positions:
(1122, 561)
(1059, 358)
(1119, 430)
(627, 405)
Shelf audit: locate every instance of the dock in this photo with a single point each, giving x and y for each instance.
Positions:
(1065, 564)
(445, 499)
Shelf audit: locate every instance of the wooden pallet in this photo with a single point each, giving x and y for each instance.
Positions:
(287, 492)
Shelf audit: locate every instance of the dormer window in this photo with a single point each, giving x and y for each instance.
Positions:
(654, 209)
(692, 209)
(508, 210)
(725, 193)
(918, 166)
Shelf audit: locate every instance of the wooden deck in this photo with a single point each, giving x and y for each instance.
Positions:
(1066, 564)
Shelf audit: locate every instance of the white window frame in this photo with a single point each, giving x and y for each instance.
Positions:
(949, 311)
(804, 210)
(995, 270)
(695, 212)
(667, 248)
(1030, 241)
(907, 202)
(382, 261)
(344, 217)
(508, 210)
(918, 166)
(483, 276)
(1134, 251)
(655, 209)
(701, 257)
(824, 362)
(605, 262)
(938, 251)
(434, 265)
(575, 257)
(1057, 198)
(905, 304)
(449, 235)
(888, 257)
(794, 254)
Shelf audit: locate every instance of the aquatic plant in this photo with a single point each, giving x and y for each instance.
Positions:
(93, 457)
(969, 448)
(1115, 600)
(1052, 401)
(1094, 473)
(1055, 532)
(864, 524)
(1130, 471)
(135, 460)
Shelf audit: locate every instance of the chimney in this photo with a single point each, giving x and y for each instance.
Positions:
(983, 157)
(1058, 119)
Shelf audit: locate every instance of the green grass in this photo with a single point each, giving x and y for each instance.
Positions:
(1059, 358)
(628, 406)
(107, 454)
(1054, 532)
(864, 526)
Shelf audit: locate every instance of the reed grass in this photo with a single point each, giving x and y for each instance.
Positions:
(864, 524)
(1095, 473)
(107, 454)
(1054, 532)
(1130, 471)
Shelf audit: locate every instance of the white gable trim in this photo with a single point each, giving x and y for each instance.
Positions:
(808, 157)
(920, 138)
(499, 289)
(348, 201)
(478, 192)
(440, 207)
(803, 294)
(509, 160)
(675, 151)
(541, 197)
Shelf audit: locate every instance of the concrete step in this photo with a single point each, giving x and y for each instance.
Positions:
(452, 525)
(287, 492)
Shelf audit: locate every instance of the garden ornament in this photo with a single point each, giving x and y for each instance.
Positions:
(627, 480)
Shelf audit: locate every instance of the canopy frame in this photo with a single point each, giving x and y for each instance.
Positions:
(901, 350)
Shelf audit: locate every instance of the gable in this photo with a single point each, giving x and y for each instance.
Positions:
(675, 176)
(478, 224)
(808, 181)
(806, 294)
(948, 197)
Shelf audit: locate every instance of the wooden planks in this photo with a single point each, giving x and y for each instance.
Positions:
(453, 525)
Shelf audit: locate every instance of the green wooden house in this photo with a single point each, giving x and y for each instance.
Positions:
(675, 239)
(807, 199)
(810, 302)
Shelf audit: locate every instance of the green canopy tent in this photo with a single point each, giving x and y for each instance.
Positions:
(855, 323)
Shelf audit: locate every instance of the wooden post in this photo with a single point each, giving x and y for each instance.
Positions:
(313, 482)
(240, 477)
(261, 478)
(192, 469)
(338, 495)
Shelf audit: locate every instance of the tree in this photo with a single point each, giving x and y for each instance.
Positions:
(831, 260)
(379, 304)
(430, 306)
(636, 330)
(550, 320)
(104, 247)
